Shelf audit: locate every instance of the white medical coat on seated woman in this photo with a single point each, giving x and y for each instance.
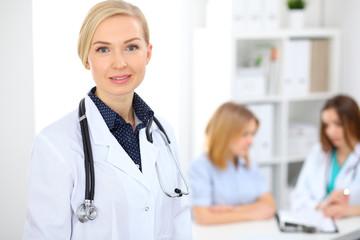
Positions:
(130, 203)
(311, 185)
(237, 185)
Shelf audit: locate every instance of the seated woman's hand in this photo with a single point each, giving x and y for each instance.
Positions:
(337, 210)
(338, 197)
(337, 205)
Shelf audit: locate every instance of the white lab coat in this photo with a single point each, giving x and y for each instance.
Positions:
(130, 204)
(310, 189)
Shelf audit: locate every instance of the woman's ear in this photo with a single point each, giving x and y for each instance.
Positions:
(148, 54)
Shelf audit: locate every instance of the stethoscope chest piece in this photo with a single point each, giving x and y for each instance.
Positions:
(86, 212)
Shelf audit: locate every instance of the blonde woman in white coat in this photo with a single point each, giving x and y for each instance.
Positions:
(332, 169)
(131, 204)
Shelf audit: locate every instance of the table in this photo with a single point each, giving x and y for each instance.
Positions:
(266, 230)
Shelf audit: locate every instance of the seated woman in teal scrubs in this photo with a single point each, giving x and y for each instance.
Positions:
(333, 166)
(225, 185)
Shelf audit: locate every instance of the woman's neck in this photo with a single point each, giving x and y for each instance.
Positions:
(122, 105)
(233, 159)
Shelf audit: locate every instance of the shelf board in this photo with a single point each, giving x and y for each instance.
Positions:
(311, 97)
(261, 99)
(269, 161)
(284, 98)
(279, 160)
(287, 33)
(295, 158)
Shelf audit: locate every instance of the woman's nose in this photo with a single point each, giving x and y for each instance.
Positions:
(330, 131)
(119, 61)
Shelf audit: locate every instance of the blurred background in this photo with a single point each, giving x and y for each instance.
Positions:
(282, 63)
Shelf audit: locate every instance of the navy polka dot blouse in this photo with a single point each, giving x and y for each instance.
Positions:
(122, 130)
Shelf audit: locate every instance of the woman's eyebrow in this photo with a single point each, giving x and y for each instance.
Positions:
(132, 39)
(107, 43)
(101, 42)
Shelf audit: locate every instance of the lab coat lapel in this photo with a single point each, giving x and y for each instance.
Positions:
(102, 137)
(321, 177)
(149, 153)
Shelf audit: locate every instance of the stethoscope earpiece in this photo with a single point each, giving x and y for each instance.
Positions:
(178, 191)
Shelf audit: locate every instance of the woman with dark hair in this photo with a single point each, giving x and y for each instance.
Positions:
(225, 185)
(330, 178)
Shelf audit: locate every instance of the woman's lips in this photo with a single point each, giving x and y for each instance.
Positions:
(120, 79)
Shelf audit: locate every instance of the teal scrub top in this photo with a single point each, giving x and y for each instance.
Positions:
(335, 169)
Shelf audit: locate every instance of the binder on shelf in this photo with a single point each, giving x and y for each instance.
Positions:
(262, 148)
(271, 15)
(302, 137)
(250, 82)
(319, 79)
(239, 12)
(253, 15)
(243, 15)
(297, 67)
(305, 221)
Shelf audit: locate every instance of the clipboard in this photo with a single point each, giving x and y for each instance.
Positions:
(305, 221)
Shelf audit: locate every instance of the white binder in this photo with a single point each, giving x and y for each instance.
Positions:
(297, 67)
(262, 148)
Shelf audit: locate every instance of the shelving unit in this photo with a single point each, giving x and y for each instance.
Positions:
(218, 54)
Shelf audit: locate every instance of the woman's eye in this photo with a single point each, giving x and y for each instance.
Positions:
(132, 48)
(102, 49)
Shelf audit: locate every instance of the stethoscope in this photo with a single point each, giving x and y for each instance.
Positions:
(87, 211)
(351, 168)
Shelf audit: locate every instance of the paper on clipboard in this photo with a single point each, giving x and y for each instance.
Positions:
(294, 221)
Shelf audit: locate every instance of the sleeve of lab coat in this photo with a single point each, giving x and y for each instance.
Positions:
(355, 188)
(49, 191)
(301, 198)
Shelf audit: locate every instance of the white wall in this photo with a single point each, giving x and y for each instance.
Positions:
(17, 113)
(59, 72)
(345, 15)
(17, 97)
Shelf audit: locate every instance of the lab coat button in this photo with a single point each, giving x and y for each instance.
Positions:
(138, 166)
(147, 209)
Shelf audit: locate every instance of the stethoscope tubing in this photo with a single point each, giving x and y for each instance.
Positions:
(178, 192)
(88, 157)
(87, 211)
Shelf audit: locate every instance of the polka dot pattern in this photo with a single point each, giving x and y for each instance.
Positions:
(123, 131)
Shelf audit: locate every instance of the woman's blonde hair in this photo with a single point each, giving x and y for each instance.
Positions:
(99, 13)
(228, 121)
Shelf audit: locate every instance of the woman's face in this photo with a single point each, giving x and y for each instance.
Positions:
(239, 146)
(334, 129)
(118, 56)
